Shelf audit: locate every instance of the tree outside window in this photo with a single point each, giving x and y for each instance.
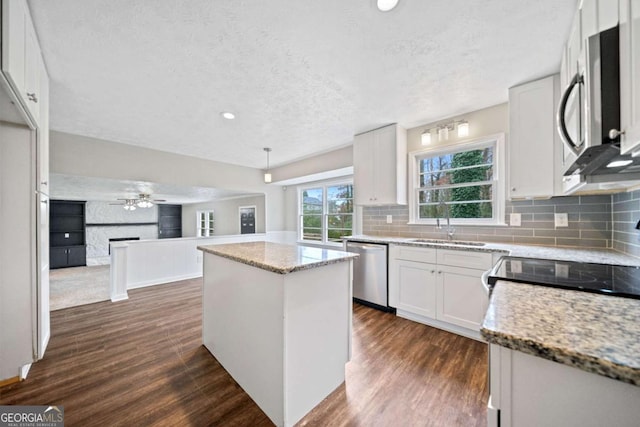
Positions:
(463, 180)
(326, 213)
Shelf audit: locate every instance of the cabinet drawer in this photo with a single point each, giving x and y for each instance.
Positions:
(412, 253)
(467, 259)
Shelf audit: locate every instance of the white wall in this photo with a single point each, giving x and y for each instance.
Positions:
(84, 156)
(331, 160)
(226, 215)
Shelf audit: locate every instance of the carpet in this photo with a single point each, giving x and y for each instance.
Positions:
(70, 287)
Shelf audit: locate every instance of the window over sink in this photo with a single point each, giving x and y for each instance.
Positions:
(463, 181)
(325, 212)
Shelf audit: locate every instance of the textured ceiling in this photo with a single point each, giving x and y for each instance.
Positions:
(301, 76)
(69, 187)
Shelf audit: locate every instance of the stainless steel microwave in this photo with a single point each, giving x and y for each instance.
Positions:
(589, 109)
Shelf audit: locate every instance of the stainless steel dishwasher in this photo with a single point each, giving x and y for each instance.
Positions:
(370, 274)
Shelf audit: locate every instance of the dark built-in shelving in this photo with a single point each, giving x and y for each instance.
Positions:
(169, 221)
(67, 244)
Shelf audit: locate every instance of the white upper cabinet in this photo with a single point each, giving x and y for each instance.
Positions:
(21, 58)
(380, 167)
(532, 133)
(629, 72)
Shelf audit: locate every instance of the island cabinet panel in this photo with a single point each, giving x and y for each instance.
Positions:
(285, 338)
(531, 391)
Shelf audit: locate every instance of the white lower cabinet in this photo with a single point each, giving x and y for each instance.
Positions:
(439, 287)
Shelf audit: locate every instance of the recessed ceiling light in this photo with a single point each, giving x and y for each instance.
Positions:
(387, 5)
(619, 163)
(228, 115)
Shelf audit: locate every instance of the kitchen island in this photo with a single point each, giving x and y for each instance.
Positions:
(278, 319)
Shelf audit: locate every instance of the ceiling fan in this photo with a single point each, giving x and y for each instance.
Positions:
(142, 201)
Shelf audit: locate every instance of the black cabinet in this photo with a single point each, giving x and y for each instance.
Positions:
(169, 221)
(73, 256)
(67, 234)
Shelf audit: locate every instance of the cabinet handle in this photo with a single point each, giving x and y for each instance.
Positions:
(32, 97)
(614, 133)
(439, 272)
(513, 189)
(44, 201)
(44, 183)
(433, 271)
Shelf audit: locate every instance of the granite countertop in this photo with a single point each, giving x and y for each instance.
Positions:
(595, 333)
(277, 257)
(603, 256)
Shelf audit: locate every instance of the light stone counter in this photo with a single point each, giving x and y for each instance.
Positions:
(276, 257)
(603, 256)
(595, 333)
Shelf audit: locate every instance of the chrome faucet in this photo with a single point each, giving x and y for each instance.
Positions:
(450, 229)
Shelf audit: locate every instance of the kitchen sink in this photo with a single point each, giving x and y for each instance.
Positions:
(447, 242)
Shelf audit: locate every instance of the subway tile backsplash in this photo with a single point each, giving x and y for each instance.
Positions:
(625, 209)
(597, 221)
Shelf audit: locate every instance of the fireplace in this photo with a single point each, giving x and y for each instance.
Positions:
(120, 239)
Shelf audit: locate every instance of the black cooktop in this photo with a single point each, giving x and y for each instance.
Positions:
(623, 281)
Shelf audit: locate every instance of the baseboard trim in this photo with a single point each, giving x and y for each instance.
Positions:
(24, 371)
(44, 345)
(454, 329)
(9, 381)
(162, 281)
(120, 297)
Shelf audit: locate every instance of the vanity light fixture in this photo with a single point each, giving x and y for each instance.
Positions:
(267, 174)
(463, 128)
(443, 130)
(386, 5)
(228, 115)
(425, 138)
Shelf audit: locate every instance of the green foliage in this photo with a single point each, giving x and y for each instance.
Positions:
(467, 158)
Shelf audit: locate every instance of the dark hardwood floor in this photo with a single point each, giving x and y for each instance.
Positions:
(139, 362)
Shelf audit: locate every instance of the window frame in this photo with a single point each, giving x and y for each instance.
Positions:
(199, 230)
(499, 179)
(324, 185)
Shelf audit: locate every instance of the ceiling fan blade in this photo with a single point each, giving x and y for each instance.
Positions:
(158, 200)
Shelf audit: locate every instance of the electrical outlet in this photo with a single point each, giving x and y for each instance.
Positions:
(515, 219)
(561, 220)
(389, 219)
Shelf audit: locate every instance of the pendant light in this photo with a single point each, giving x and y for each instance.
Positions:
(267, 174)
